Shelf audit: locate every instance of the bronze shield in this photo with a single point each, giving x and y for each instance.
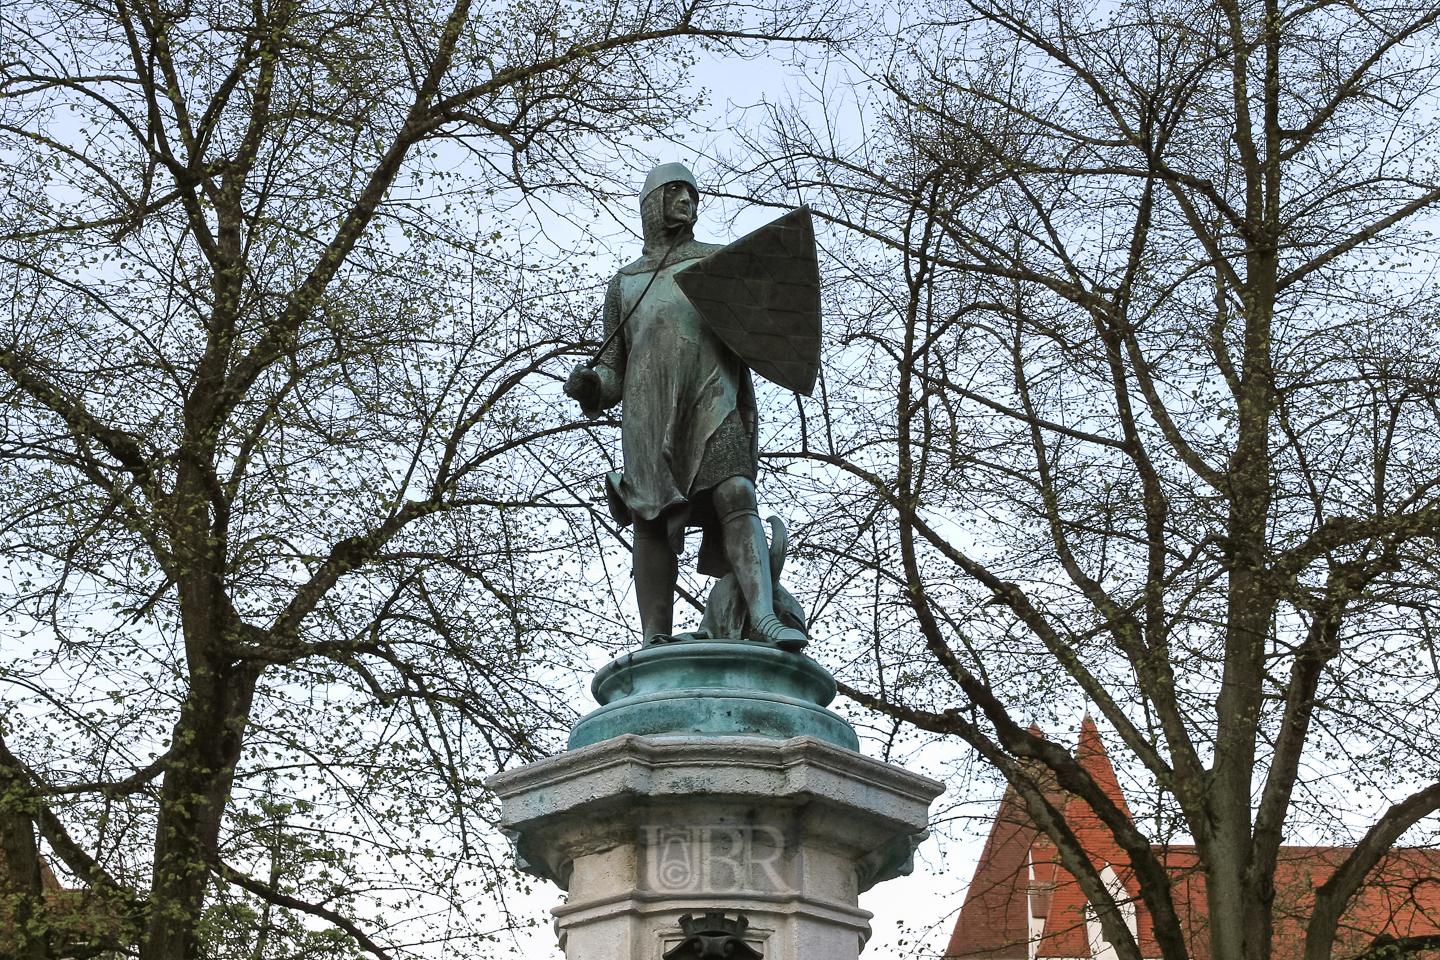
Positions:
(761, 296)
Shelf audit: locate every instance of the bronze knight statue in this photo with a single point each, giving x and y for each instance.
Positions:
(689, 419)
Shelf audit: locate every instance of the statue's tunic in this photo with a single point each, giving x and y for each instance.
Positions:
(689, 415)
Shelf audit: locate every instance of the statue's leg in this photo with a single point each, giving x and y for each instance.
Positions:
(745, 544)
(749, 556)
(656, 568)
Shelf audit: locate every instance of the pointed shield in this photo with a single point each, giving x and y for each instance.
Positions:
(761, 296)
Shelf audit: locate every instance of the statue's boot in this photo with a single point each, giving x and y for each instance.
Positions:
(749, 556)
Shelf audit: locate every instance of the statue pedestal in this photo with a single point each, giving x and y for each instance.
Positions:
(713, 688)
(642, 830)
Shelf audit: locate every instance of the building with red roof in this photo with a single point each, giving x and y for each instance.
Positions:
(78, 927)
(1022, 905)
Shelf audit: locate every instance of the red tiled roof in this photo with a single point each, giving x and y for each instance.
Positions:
(995, 921)
(1018, 876)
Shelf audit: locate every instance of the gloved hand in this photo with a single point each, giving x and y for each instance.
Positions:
(584, 386)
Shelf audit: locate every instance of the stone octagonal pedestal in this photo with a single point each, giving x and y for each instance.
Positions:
(641, 830)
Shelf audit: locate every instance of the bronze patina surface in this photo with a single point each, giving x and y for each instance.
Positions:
(689, 424)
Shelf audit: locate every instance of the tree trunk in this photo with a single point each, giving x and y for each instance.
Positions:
(21, 887)
(207, 742)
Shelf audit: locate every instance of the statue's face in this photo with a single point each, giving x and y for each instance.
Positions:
(679, 203)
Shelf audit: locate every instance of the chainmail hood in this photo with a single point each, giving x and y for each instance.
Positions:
(659, 235)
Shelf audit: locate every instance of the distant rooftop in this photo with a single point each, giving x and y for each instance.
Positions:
(1022, 905)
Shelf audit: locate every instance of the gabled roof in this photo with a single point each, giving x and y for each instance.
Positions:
(995, 921)
(1065, 931)
(1022, 905)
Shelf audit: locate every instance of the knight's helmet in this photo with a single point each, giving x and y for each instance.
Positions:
(668, 173)
(652, 207)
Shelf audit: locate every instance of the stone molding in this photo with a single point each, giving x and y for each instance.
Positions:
(633, 767)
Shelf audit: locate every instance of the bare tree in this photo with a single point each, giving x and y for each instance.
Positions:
(274, 376)
(1136, 404)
